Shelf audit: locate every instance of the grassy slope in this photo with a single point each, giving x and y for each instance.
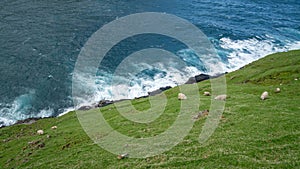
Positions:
(253, 133)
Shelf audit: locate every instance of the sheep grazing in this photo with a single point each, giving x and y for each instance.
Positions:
(264, 95)
(181, 96)
(277, 90)
(54, 127)
(40, 132)
(206, 94)
(221, 97)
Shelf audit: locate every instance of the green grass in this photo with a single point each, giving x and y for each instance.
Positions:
(251, 134)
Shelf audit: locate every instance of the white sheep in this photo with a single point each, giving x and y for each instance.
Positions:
(206, 94)
(40, 132)
(221, 97)
(277, 90)
(181, 96)
(264, 95)
(54, 127)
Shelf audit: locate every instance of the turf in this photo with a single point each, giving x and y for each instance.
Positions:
(251, 134)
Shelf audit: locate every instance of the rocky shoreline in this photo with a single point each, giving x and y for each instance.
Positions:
(191, 80)
(103, 103)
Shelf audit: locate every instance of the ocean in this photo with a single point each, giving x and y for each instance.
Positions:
(40, 42)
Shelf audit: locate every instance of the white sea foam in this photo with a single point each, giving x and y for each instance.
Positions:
(242, 52)
(239, 53)
(66, 111)
(137, 79)
(20, 109)
(10, 116)
(107, 86)
(131, 85)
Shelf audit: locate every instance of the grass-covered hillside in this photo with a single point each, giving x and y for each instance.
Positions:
(251, 134)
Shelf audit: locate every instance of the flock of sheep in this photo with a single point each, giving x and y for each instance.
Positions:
(223, 97)
(182, 96)
(265, 94)
(41, 132)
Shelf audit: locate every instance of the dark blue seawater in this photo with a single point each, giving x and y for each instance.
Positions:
(41, 40)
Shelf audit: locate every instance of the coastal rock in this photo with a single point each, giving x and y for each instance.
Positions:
(197, 78)
(85, 108)
(202, 77)
(160, 90)
(103, 103)
(27, 121)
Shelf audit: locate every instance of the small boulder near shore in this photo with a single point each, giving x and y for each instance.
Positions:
(28, 121)
(181, 96)
(160, 90)
(103, 103)
(198, 78)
